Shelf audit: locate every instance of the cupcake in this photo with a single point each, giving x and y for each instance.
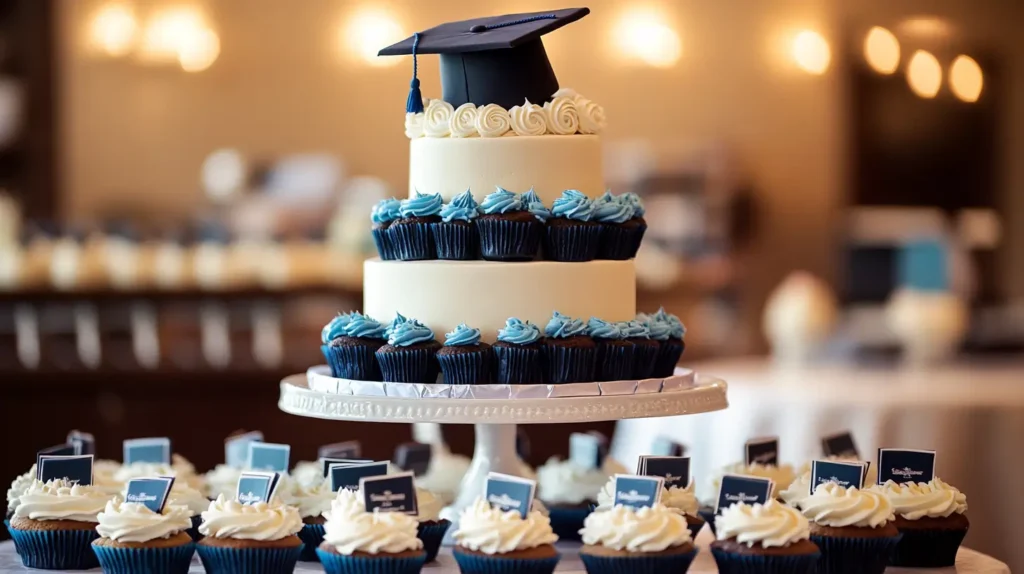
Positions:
(464, 359)
(763, 538)
(782, 477)
(492, 541)
(682, 501)
(800, 488)
(311, 501)
(668, 331)
(570, 492)
(930, 517)
(614, 354)
(222, 481)
(308, 473)
(570, 352)
(519, 354)
(645, 349)
(455, 236)
(853, 529)
(532, 202)
(508, 231)
(184, 495)
(624, 539)
(255, 538)
(410, 234)
(133, 539)
(357, 541)
(19, 486)
(409, 355)
(352, 345)
(383, 215)
(432, 527)
(637, 220)
(619, 229)
(571, 235)
(444, 475)
(54, 524)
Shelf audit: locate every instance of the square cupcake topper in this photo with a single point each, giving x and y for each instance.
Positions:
(510, 492)
(588, 450)
(155, 450)
(347, 449)
(76, 469)
(763, 451)
(83, 442)
(674, 470)
(638, 491)
(150, 492)
(391, 493)
(268, 456)
(735, 489)
(413, 457)
(51, 451)
(236, 448)
(845, 474)
(255, 486)
(904, 465)
(841, 445)
(347, 475)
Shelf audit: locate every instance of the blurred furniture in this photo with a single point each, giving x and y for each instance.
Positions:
(971, 413)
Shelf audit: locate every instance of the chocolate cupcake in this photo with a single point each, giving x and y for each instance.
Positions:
(571, 353)
(383, 214)
(619, 228)
(410, 234)
(409, 355)
(350, 342)
(508, 231)
(764, 539)
(464, 359)
(668, 331)
(931, 519)
(456, 237)
(571, 235)
(645, 349)
(614, 354)
(637, 220)
(853, 529)
(519, 354)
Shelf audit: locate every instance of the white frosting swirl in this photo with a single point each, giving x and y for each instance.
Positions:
(782, 475)
(916, 500)
(444, 473)
(680, 500)
(562, 482)
(61, 500)
(492, 121)
(428, 505)
(650, 529)
(436, 117)
(308, 473)
(413, 125)
(463, 122)
(134, 522)
(350, 528)
(592, 118)
(567, 113)
(310, 500)
(800, 488)
(770, 524)
(184, 495)
(223, 481)
(528, 119)
(261, 521)
(837, 506)
(18, 487)
(563, 118)
(483, 528)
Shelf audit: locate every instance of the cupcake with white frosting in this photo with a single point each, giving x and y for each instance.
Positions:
(312, 501)
(764, 538)
(55, 522)
(432, 527)
(570, 492)
(490, 541)
(308, 473)
(682, 501)
(258, 538)
(359, 541)
(931, 518)
(625, 540)
(19, 485)
(133, 538)
(782, 477)
(853, 529)
(800, 488)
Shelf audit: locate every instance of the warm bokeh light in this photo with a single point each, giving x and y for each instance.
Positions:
(924, 74)
(367, 32)
(882, 50)
(645, 37)
(966, 79)
(811, 52)
(168, 31)
(114, 29)
(199, 51)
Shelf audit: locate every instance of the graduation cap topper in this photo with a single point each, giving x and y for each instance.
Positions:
(493, 60)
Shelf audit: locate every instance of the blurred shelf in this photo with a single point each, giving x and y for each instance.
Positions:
(49, 295)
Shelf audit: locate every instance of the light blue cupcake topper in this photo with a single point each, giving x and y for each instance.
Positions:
(462, 207)
(409, 332)
(385, 211)
(562, 327)
(363, 327)
(676, 328)
(501, 201)
(336, 327)
(519, 332)
(573, 205)
(423, 205)
(535, 206)
(603, 329)
(462, 336)
(634, 200)
(611, 209)
(634, 330)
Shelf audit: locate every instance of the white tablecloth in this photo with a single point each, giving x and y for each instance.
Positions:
(972, 414)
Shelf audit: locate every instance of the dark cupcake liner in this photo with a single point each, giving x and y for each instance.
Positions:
(614, 362)
(473, 368)
(221, 560)
(456, 242)
(619, 243)
(570, 364)
(382, 239)
(644, 358)
(432, 535)
(638, 564)
(380, 564)
(311, 536)
(356, 362)
(503, 240)
(412, 241)
(573, 243)
(842, 555)
(518, 365)
(708, 514)
(408, 365)
(639, 237)
(497, 564)
(193, 531)
(729, 563)
(56, 549)
(174, 560)
(668, 357)
(567, 522)
(927, 548)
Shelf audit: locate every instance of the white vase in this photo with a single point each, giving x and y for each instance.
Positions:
(930, 325)
(799, 317)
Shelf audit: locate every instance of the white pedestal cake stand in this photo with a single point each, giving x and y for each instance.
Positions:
(496, 419)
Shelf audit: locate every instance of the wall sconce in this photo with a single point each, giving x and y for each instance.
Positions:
(966, 79)
(882, 50)
(811, 52)
(924, 74)
(645, 37)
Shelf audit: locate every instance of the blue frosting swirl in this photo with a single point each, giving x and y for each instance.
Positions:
(462, 207)
(611, 209)
(364, 327)
(660, 329)
(634, 330)
(563, 327)
(519, 332)
(676, 328)
(603, 329)
(573, 205)
(385, 211)
(398, 320)
(535, 206)
(634, 200)
(336, 327)
(462, 336)
(409, 333)
(501, 201)
(423, 205)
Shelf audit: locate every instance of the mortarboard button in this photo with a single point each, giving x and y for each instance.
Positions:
(477, 28)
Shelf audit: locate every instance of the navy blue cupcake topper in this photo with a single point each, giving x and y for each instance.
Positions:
(236, 447)
(346, 449)
(462, 336)
(268, 456)
(408, 332)
(153, 450)
(508, 492)
(326, 462)
(588, 450)
(638, 491)
(903, 465)
(391, 493)
(76, 469)
(65, 449)
(763, 451)
(735, 489)
(674, 470)
(348, 475)
(518, 332)
(845, 474)
(83, 442)
(413, 457)
(562, 327)
(840, 445)
(254, 486)
(150, 492)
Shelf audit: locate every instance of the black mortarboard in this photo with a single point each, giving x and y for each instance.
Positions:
(495, 60)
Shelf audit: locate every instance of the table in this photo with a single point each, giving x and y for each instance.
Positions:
(971, 412)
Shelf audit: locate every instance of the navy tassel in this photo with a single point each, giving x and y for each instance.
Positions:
(414, 103)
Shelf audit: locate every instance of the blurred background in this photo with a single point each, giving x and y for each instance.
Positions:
(835, 198)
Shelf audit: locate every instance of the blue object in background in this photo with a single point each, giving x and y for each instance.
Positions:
(923, 265)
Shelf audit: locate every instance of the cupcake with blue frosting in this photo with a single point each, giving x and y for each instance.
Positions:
(410, 234)
(614, 353)
(637, 220)
(349, 342)
(409, 355)
(571, 233)
(645, 349)
(533, 203)
(668, 331)
(508, 230)
(455, 236)
(519, 354)
(383, 214)
(619, 227)
(464, 358)
(571, 352)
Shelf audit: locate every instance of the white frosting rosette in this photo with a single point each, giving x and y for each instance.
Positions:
(463, 121)
(436, 118)
(837, 506)
(528, 119)
(483, 528)
(649, 529)
(60, 500)
(492, 121)
(310, 500)
(18, 487)
(917, 500)
(592, 118)
(261, 521)
(562, 115)
(350, 528)
(414, 125)
(676, 499)
(772, 524)
(134, 522)
(428, 505)
(308, 473)
(184, 495)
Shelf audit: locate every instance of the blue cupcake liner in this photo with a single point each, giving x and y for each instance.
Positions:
(567, 522)
(193, 531)
(842, 555)
(221, 560)
(644, 357)
(56, 549)
(614, 362)
(311, 536)
(356, 362)
(575, 242)
(412, 241)
(927, 548)
(619, 243)
(432, 535)
(498, 564)
(408, 365)
(504, 240)
(456, 241)
(668, 357)
(473, 368)
(638, 564)
(380, 564)
(518, 365)
(570, 364)
(729, 563)
(175, 560)
(5, 533)
(382, 239)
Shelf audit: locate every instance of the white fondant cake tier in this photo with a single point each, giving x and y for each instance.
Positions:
(550, 164)
(484, 294)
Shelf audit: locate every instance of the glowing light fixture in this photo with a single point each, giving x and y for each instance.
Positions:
(882, 50)
(966, 79)
(811, 52)
(643, 36)
(167, 31)
(924, 74)
(367, 32)
(114, 29)
(199, 51)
